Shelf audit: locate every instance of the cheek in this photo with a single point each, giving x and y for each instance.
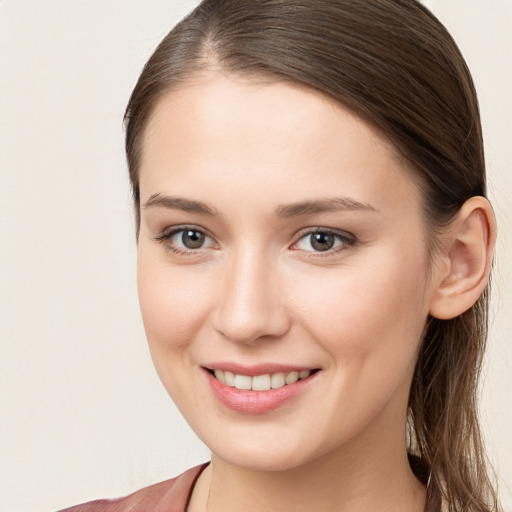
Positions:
(172, 301)
(369, 323)
(372, 314)
(173, 306)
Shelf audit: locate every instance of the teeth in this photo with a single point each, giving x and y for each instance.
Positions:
(277, 380)
(229, 379)
(292, 377)
(260, 382)
(243, 382)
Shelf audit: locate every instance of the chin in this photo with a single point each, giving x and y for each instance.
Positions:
(262, 451)
(261, 460)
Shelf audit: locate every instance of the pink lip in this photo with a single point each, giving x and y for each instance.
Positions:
(256, 402)
(256, 369)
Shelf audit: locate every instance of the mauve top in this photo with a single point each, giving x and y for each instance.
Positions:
(170, 496)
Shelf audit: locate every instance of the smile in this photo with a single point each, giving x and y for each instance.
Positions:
(259, 392)
(263, 382)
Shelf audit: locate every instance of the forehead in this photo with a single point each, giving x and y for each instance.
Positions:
(212, 99)
(220, 129)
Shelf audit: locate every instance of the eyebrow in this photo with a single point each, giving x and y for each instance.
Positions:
(283, 210)
(322, 206)
(179, 203)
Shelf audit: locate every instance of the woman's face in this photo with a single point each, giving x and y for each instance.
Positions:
(281, 238)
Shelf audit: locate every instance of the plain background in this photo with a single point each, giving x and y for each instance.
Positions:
(83, 414)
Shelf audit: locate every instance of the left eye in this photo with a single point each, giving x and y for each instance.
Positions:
(321, 241)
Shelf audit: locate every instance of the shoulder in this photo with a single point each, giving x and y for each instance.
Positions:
(168, 496)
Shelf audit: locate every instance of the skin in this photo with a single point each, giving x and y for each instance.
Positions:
(257, 291)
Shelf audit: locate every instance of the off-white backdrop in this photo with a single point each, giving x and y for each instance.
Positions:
(83, 414)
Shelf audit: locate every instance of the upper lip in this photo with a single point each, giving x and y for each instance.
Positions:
(257, 369)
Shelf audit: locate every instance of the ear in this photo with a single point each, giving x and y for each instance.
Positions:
(466, 260)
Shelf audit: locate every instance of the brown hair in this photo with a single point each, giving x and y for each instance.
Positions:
(393, 63)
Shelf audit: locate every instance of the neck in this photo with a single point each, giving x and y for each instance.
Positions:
(366, 477)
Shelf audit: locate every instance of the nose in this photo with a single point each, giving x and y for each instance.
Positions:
(251, 305)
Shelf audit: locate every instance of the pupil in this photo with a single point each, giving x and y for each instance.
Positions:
(322, 241)
(192, 239)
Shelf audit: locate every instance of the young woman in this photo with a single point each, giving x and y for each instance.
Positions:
(314, 248)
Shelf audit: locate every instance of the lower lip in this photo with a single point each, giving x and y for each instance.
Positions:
(256, 402)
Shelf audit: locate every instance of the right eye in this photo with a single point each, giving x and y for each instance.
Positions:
(186, 239)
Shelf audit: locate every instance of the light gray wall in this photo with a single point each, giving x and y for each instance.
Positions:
(83, 414)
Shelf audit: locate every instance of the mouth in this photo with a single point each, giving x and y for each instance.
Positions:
(258, 392)
(263, 382)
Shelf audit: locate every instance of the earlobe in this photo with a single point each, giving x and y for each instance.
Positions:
(468, 253)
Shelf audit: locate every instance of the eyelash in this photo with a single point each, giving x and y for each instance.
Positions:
(347, 240)
(166, 236)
